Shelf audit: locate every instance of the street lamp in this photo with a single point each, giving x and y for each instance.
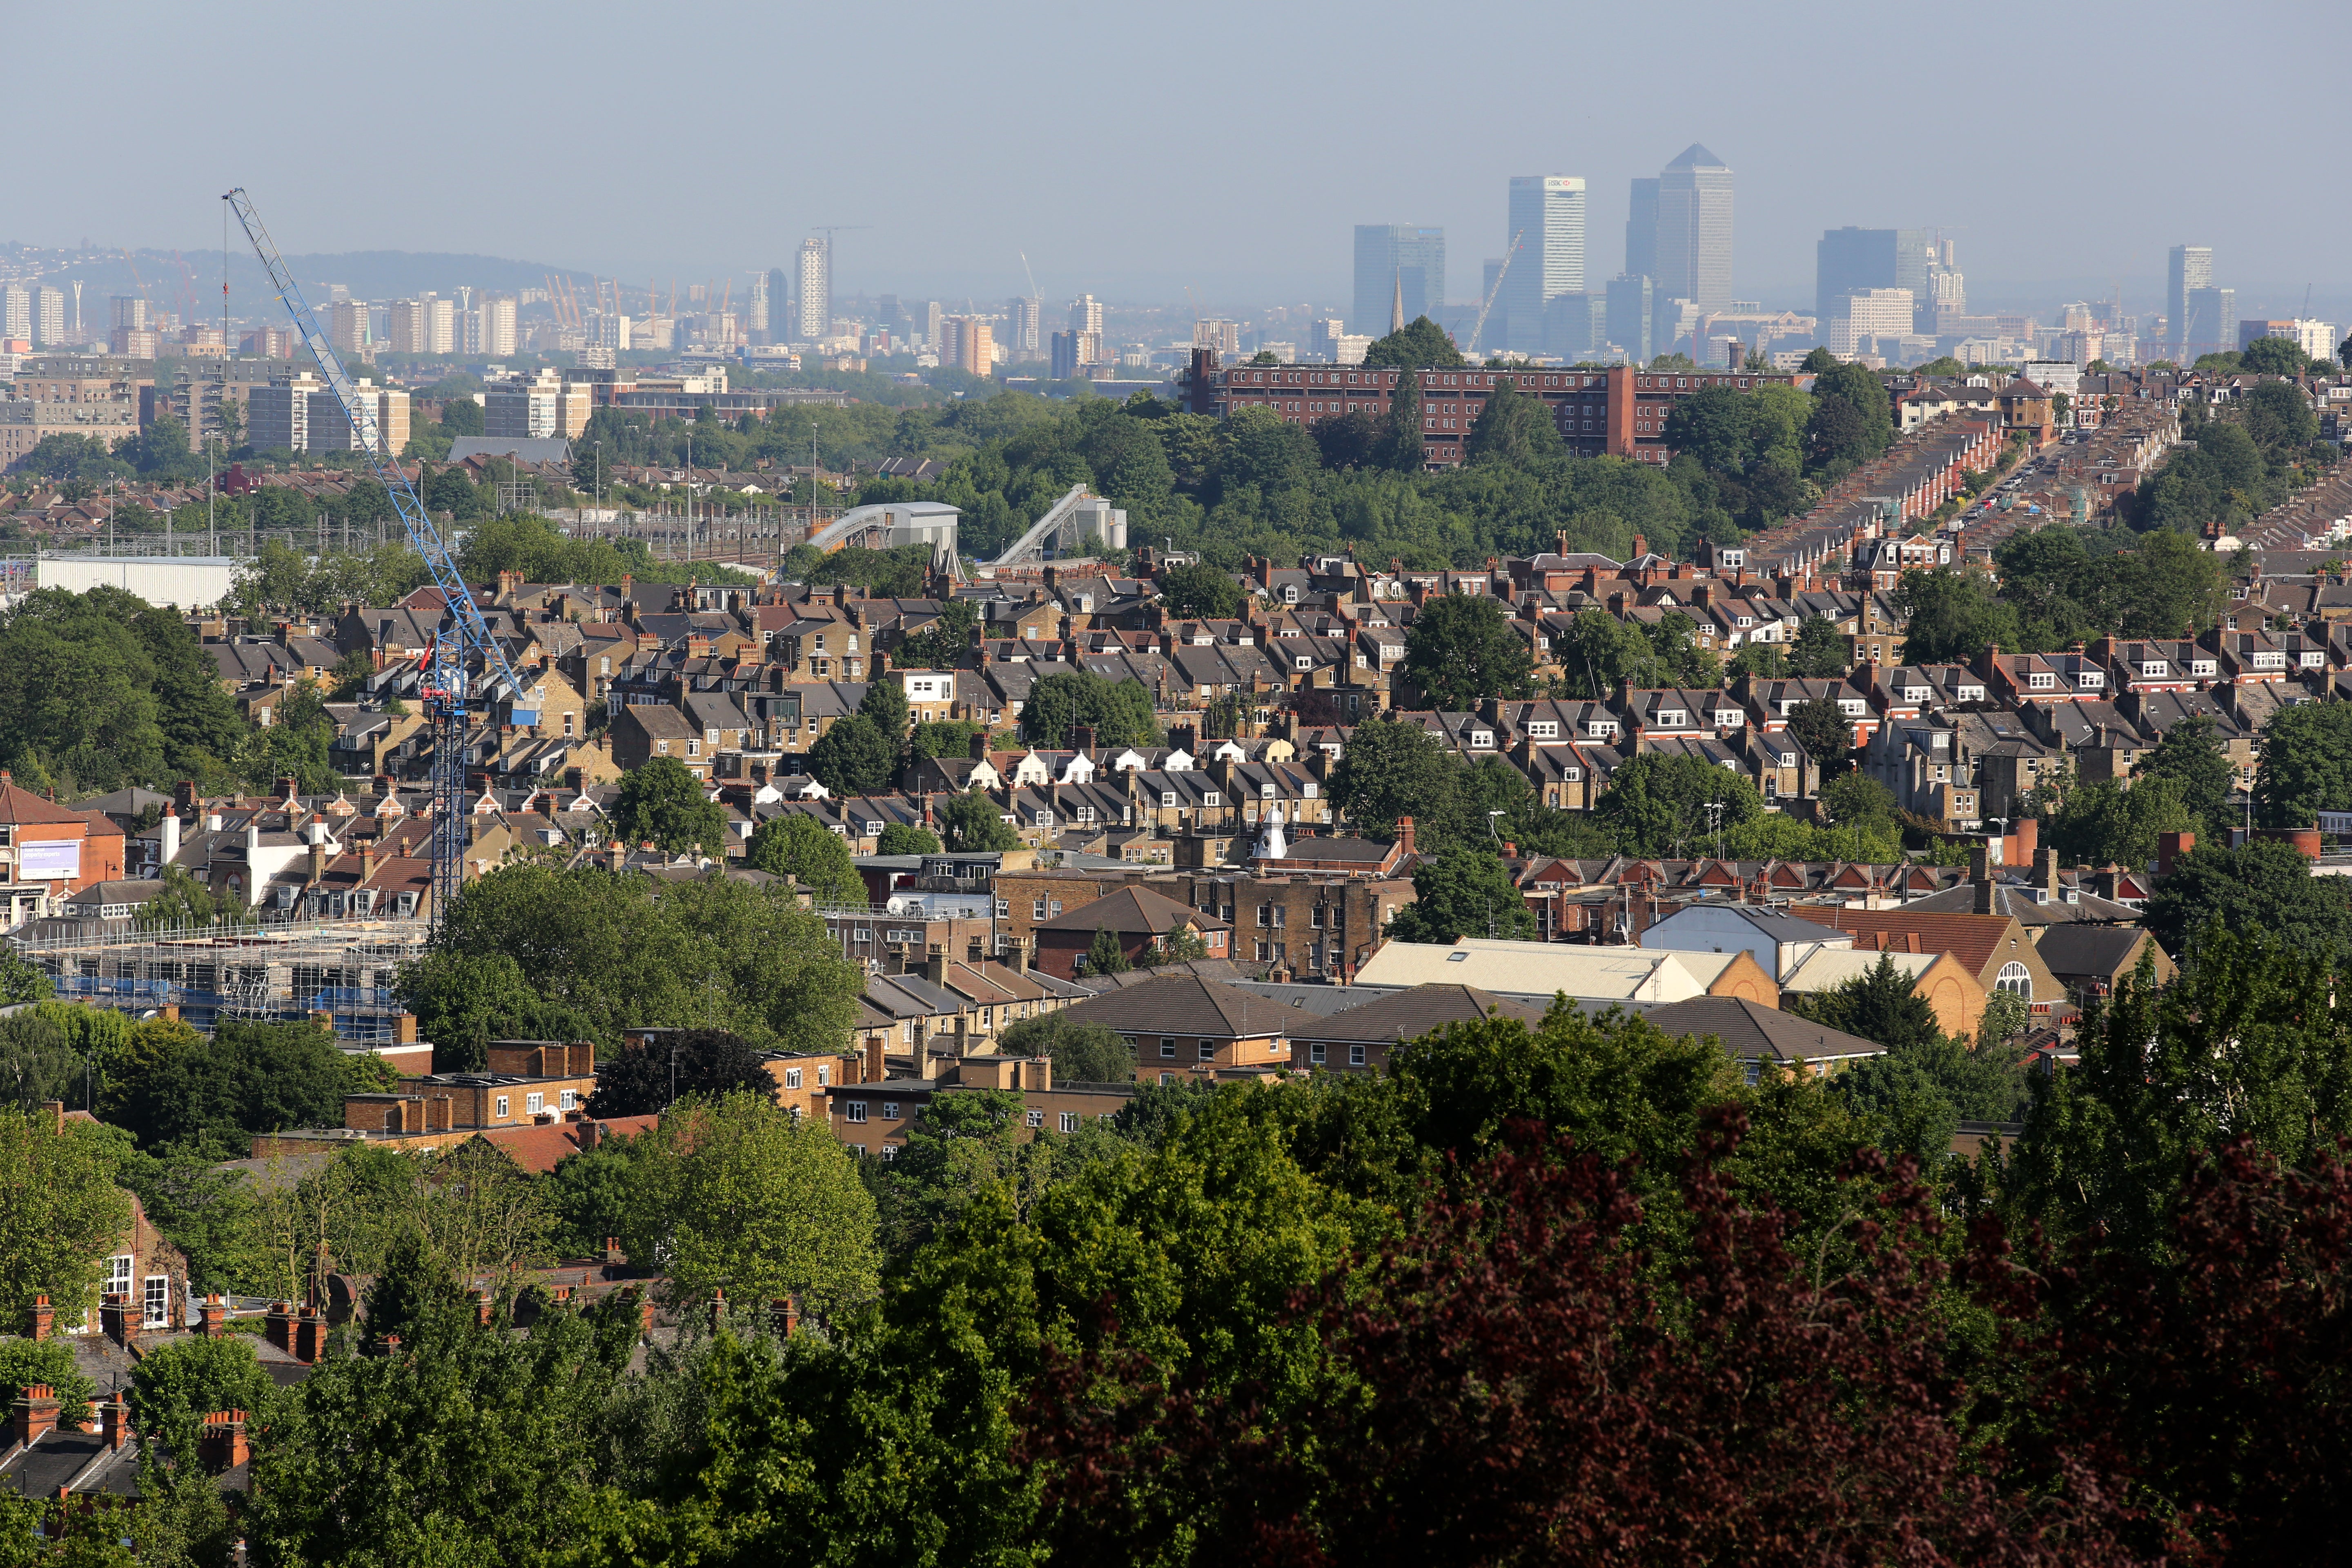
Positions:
(1715, 824)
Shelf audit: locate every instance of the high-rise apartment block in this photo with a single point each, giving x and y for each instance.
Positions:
(127, 310)
(1226, 337)
(277, 417)
(1086, 315)
(969, 344)
(541, 407)
(1546, 219)
(331, 429)
(16, 314)
(440, 325)
(1849, 259)
(2317, 340)
(407, 330)
(499, 337)
(932, 316)
(1399, 271)
(756, 319)
(1694, 228)
(2189, 267)
(347, 326)
(49, 317)
(813, 319)
(1026, 340)
(1863, 314)
(2209, 323)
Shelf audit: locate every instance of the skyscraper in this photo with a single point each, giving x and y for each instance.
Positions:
(1393, 260)
(2209, 323)
(814, 317)
(1850, 260)
(16, 312)
(1694, 228)
(1086, 314)
(49, 317)
(1026, 340)
(1630, 315)
(2191, 268)
(1642, 230)
(780, 305)
(1547, 219)
(759, 312)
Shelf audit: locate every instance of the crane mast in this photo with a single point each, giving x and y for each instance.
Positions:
(463, 640)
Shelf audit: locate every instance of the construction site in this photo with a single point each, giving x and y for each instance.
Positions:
(339, 972)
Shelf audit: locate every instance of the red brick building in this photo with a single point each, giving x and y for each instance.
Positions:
(1620, 411)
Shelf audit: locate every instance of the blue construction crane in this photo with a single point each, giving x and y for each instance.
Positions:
(464, 652)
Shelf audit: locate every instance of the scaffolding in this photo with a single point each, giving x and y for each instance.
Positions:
(345, 970)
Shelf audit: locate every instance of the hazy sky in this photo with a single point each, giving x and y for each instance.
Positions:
(1132, 151)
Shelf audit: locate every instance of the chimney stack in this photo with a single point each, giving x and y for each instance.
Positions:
(2171, 847)
(223, 1446)
(35, 1413)
(41, 1320)
(114, 1421)
(1404, 833)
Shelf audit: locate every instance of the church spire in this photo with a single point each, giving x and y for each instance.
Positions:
(1396, 308)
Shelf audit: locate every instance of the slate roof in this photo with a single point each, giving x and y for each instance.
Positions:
(1185, 1004)
(1132, 911)
(1409, 1015)
(1755, 1033)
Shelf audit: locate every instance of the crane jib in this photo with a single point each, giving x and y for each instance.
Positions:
(469, 639)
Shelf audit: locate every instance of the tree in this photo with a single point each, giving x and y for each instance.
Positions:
(1199, 589)
(2272, 356)
(973, 823)
(1082, 1052)
(1820, 651)
(61, 1213)
(171, 1087)
(1462, 648)
(1462, 892)
(1953, 616)
(737, 1193)
(27, 1362)
(1179, 943)
(180, 1383)
(644, 1079)
(1420, 345)
(1105, 955)
(1762, 660)
(1824, 732)
(1389, 771)
(181, 901)
(2193, 760)
(800, 847)
(2259, 886)
(21, 980)
(1351, 440)
(1878, 1004)
(885, 704)
(36, 1062)
(2104, 824)
(1818, 361)
(2242, 1044)
(337, 1477)
(855, 757)
(1408, 451)
(1119, 712)
(940, 645)
(626, 952)
(662, 803)
(906, 838)
(1659, 805)
(945, 738)
(1514, 428)
(1855, 799)
(1714, 426)
(2305, 765)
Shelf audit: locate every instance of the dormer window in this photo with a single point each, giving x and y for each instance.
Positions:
(1971, 693)
(2154, 666)
(1543, 730)
(2040, 681)
(1211, 798)
(1304, 661)
(2201, 667)
(1673, 716)
(1482, 737)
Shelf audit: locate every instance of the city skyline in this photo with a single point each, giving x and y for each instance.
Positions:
(1146, 219)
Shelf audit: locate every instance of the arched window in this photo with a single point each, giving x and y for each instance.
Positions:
(2014, 979)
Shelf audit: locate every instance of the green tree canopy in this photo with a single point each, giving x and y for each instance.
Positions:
(2261, 887)
(906, 838)
(1462, 648)
(1201, 590)
(1420, 345)
(2305, 765)
(1658, 805)
(1082, 1052)
(1462, 892)
(1105, 955)
(973, 823)
(855, 756)
(663, 803)
(1514, 428)
(1119, 712)
(800, 847)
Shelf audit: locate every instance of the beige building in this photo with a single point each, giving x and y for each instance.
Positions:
(330, 430)
(24, 423)
(968, 343)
